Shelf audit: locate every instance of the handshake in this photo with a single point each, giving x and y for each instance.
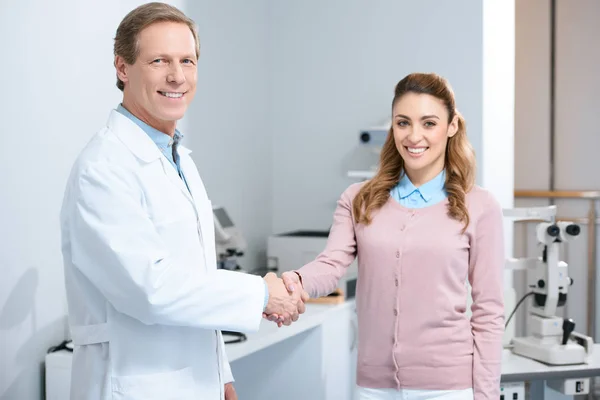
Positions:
(286, 298)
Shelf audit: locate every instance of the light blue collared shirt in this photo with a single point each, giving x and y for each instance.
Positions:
(165, 143)
(427, 195)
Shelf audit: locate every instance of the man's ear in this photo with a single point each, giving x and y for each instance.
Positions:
(121, 66)
(453, 127)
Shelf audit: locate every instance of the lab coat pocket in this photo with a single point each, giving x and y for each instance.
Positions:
(173, 385)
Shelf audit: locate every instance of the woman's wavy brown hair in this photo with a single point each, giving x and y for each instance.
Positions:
(459, 160)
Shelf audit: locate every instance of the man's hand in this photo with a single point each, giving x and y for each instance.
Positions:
(286, 306)
(230, 393)
(294, 287)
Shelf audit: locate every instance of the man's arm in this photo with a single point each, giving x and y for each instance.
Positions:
(115, 245)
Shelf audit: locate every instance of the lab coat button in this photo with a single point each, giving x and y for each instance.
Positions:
(395, 312)
(396, 282)
(397, 254)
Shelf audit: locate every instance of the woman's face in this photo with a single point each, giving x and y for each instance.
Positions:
(421, 131)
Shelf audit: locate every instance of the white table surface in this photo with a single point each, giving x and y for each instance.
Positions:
(516, 368)
(269, 334)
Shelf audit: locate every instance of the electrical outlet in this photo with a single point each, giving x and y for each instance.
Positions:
(571, 386)
(512, 391)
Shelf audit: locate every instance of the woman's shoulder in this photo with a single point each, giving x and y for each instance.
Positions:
(354, 188)
(481, 201)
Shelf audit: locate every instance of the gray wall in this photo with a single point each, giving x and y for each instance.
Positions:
(334, 69)
(229, 120)
(59, 86)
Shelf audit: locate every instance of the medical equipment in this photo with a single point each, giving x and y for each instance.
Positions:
(370, 143)
(230, 244)
(374, 137)
(291, 250)
(553, 339)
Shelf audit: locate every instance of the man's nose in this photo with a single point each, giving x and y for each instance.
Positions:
(176, 75)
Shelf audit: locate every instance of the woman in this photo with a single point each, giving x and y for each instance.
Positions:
(420, 229)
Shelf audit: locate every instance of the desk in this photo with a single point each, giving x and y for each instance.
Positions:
(314, 358)
(520, 369)
(323, 341)
(269, 334)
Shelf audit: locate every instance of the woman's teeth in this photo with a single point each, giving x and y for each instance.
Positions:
(416, 150)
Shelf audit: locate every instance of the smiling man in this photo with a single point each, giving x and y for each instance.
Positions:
(146, 301)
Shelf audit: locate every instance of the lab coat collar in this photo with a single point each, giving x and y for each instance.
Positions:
(136, 140)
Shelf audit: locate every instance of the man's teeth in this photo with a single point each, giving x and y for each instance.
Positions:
(416, 151)
(172, 95)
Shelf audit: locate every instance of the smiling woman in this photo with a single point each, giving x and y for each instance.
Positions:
(418, 229)
(428, 136)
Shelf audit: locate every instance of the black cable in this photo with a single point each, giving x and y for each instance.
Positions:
(238, 337)
(62, 346)
(516, 308)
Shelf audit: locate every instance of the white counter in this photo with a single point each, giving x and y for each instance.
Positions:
(269, 334)
(311, 359)
(516, 368)
(315, 358)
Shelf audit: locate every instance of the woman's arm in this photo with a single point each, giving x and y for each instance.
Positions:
(487, 283)
(320, 277)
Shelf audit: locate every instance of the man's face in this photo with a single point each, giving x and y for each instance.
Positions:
(161, 83)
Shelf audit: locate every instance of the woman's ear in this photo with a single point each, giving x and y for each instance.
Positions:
(453, 126)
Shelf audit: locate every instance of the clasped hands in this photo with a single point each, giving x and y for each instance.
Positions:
(286, 298)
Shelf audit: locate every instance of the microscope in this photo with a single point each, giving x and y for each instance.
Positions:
(229, 242)
(553, 340)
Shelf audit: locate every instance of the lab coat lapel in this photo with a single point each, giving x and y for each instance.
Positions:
(176, 180)
(203, 206)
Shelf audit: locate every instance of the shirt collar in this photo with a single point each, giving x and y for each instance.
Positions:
(161, 139)
(427, 190)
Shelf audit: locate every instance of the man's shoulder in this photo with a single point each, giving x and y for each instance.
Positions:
(103, 149)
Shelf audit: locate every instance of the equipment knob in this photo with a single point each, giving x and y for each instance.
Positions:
(568, 327)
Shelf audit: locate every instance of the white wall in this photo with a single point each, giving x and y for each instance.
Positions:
(334, 70)
(496, 160)
(58, 81)
(229, 130)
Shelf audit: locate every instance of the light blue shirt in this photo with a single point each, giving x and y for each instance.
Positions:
(427, 195)
(163, 141)
(165, 144)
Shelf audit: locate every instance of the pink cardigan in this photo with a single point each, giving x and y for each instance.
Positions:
(411, 296)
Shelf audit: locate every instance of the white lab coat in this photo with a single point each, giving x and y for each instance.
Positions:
(146, 301)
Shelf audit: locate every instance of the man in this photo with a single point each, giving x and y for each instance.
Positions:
(146, 301)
